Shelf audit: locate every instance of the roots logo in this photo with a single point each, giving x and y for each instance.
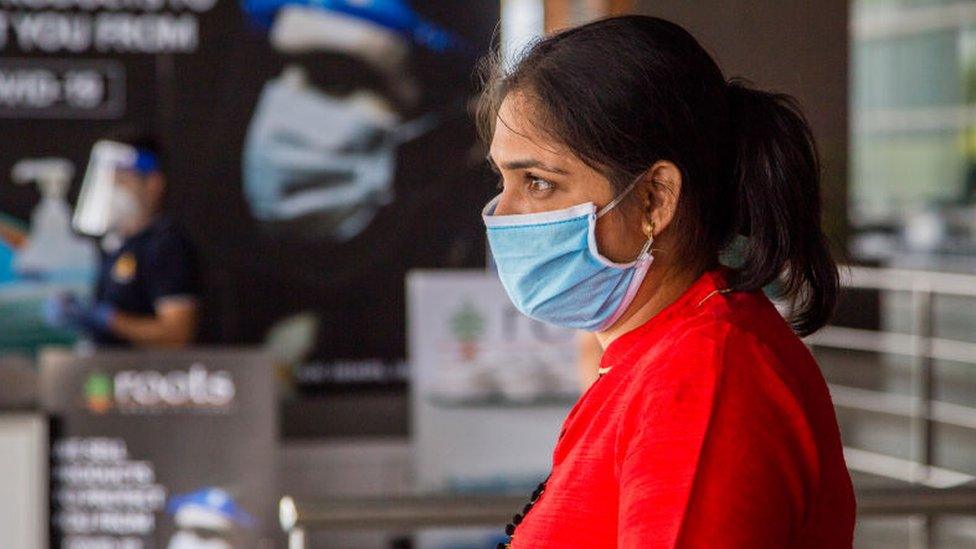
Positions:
(98, 393)
(196, 388)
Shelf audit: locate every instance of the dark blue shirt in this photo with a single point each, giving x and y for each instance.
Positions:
(156, 263)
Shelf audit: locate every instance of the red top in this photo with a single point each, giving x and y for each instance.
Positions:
(713, 428)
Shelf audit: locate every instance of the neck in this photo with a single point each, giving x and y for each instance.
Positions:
(137, 226)
(659, 289)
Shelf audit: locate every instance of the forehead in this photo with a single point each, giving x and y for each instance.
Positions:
(516, 135)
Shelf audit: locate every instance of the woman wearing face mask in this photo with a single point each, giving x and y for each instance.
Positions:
(628, 164)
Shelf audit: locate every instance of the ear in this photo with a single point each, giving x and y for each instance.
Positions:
(155, 185)
(660, 191)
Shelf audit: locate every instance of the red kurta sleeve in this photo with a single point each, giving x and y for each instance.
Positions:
(716, 450)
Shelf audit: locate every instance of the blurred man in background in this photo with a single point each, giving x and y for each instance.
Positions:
(145, 292)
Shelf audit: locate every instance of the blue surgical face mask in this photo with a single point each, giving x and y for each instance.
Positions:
(553, 271)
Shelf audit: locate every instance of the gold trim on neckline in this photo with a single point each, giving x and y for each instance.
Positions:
(713, 292)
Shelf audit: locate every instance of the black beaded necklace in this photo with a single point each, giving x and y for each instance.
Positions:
(517, 518)
(536, 494)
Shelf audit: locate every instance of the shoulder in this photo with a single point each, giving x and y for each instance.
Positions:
(713, 362)
(737, 324)
(702, 346)
(721, 381)
(166, 235)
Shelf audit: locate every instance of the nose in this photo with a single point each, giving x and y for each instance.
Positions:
(506, 204)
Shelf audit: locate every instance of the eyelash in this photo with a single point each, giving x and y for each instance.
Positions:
(529, 179)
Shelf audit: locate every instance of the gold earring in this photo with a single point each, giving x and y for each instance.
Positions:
(648, 228)
(647, 225)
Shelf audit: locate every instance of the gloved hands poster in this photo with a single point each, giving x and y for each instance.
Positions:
(314, 152)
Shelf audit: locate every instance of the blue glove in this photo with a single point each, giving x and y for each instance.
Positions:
(67, 311)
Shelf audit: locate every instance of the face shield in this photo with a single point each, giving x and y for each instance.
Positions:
(104, 202)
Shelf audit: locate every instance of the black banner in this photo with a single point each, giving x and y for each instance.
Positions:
(161, 450)
(315, 152)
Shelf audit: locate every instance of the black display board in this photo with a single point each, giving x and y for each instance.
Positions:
(154, 450)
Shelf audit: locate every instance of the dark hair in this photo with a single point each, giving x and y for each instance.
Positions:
(625, 92)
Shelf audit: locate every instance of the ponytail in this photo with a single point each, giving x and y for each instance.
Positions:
(777, 173)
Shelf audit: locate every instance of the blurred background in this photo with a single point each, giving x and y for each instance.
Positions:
(244, 299)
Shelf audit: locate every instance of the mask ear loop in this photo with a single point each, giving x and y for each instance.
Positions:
(650, 234)
(646, 248)
(617, 200)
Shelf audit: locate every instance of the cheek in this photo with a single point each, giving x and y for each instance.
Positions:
(616, 239)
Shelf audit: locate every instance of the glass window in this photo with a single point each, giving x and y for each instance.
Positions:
(913, 104)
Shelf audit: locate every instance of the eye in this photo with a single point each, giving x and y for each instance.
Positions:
(539, 186)
(501, 184)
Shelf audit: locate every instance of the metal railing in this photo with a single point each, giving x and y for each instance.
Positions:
(409, 513)
(394, 513)
(933, 491)
(921, 345)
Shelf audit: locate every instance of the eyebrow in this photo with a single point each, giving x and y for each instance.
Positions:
(525, 163)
